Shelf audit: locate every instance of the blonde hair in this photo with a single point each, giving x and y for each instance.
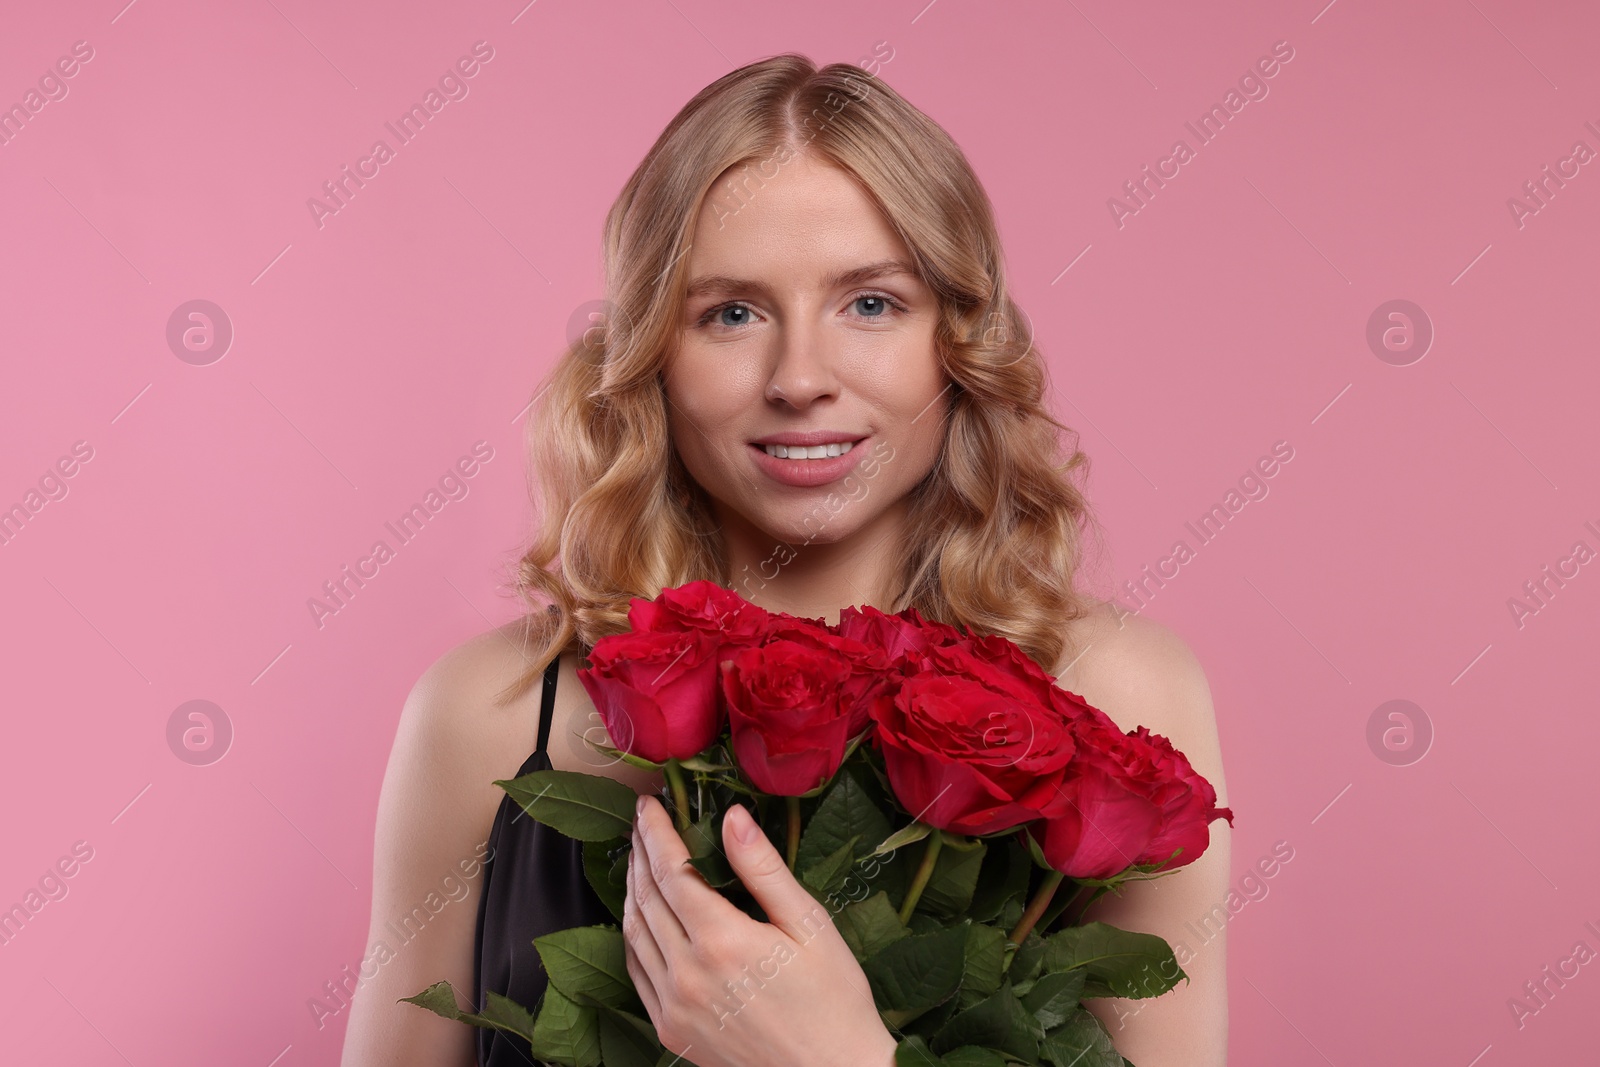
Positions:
(996, 530)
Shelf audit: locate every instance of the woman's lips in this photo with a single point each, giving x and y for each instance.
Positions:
(808, 473)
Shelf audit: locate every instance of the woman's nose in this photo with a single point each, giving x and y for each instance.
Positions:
(804, 366)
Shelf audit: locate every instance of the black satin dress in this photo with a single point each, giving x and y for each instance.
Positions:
(533, 884)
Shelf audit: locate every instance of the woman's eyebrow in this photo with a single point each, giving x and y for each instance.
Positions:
(713, 284)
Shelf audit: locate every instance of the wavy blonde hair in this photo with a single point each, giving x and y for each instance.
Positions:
(996, 529)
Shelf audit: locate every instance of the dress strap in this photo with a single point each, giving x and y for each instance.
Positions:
(547, 702)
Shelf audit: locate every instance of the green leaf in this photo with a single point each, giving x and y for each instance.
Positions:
(915, 832)
(846, 811)
(915, 973)
(605, 865)
(499, 1012)
(705, 850)
(973, 1056)
(870, 926)
(1053, 999)
(932, 1021)
(1004, 876)
(1081, 1042)
(1035, 851)
(625, 1039)
(984, 967)
(700, 763)
(589, 807)
(566, 1032)
(1029, 957)
(714, 868)
(948, 893)
(588, 961)
(826, 876)
(1119, 963)
(999, 1022)
(913, 1052)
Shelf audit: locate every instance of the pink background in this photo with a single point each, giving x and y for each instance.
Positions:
(369, 354)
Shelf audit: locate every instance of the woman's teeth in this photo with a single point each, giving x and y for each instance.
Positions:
(838, 448)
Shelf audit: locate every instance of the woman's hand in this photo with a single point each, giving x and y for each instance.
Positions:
(724, 990)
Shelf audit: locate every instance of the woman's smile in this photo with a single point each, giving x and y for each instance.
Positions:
(808, 466)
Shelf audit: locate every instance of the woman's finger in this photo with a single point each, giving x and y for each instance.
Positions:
(695, 907)
(636, 932)
(642, 983)
(657, 896)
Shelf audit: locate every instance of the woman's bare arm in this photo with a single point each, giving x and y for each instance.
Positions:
(1144, 675)
(434, 816)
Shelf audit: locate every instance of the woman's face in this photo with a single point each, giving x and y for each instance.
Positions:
(804, 317)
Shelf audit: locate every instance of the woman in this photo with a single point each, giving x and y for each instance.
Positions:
(802, 261)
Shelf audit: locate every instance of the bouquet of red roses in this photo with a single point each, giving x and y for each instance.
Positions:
(853, 742)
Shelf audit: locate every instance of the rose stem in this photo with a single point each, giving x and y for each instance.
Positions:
(924, 872)
(1036, 906)
(680, 793)
(793, 844)
(1060, 907)
(1099, 891)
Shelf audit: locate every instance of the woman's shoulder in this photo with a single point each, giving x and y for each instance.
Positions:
(1115, 647)
(479, 667)
(457, 698)
(1140, 672)
(454, 710)
(436, 814)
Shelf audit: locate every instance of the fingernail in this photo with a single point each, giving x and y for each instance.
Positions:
(744, 827)
(638, 805)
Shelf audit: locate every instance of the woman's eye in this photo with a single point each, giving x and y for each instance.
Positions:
(740, 313)
(733, 315)
(877, 305)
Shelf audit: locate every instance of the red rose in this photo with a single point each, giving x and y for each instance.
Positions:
(702, 605)
(997, 661)
(897, 634)
(870, 669)
(789, 725)
(1133, 800)
(656, 692)
(1188, 805)
(973, 753)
